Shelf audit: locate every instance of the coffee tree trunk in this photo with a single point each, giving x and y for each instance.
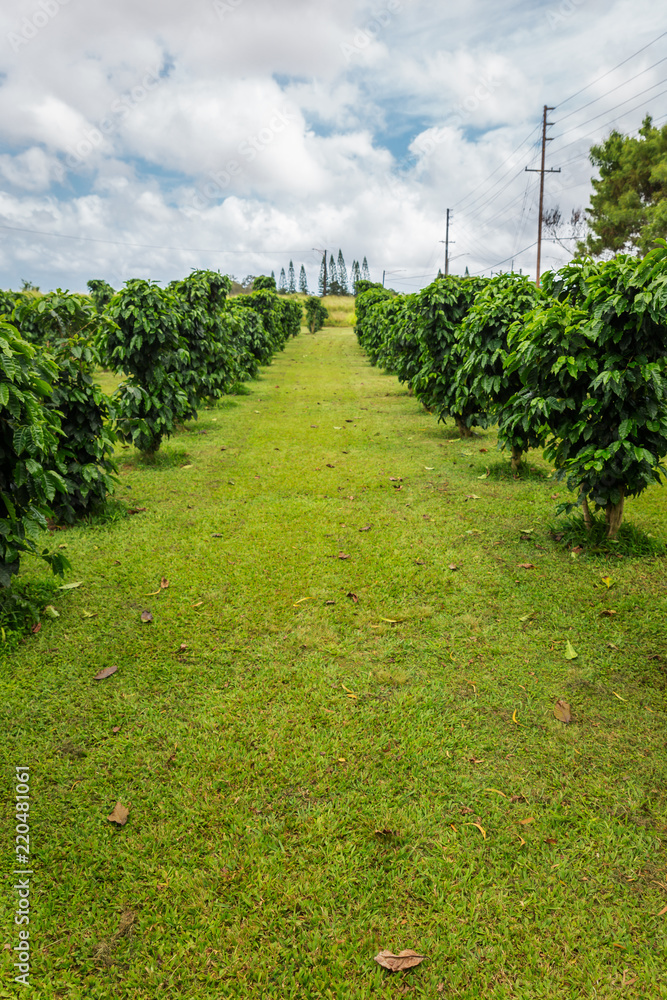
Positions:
(588, 520)
(516, 458)
(614, 515)
(464, 431)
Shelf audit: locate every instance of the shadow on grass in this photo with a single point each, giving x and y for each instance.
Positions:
(169, 458)
(21, 606)
(571, 532)
(501, 471)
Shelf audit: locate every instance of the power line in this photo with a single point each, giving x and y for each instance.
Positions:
(608, 92)
(610, 122)
(607, 110)
(146, 246)
(458, 205)
(511, 256)
(614, 68)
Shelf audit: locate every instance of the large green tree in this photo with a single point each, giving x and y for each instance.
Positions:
(628, 209)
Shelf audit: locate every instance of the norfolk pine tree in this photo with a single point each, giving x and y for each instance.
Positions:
(303, 281)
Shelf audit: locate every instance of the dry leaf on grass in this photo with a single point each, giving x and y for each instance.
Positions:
(353, 597)
(146, 616)
(367, 528)
(103, 674)
(562, 711)
(136, 510)
(406, 959)
(343, 555)
(36, 628)
(119, 814)
(526, 565)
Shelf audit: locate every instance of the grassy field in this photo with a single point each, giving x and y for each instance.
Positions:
(337, 733)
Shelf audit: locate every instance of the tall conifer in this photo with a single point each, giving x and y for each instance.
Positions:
(342, 274)
(303, 281)
(291, 278)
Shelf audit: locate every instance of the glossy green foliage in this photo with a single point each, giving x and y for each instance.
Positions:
(29, 433)
(269, 306)
(144, 343)
(292, 315)
(44, 319)
(398, 350)
(316, 313)
(249, 336)
(370, 295)
(85, 450)
(483, 383)
(7, 302)
(101, 293)
(209, 361)
(441, 308)
(264, 282)
(593, 364)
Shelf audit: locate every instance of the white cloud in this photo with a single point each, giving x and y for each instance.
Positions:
(255, 126)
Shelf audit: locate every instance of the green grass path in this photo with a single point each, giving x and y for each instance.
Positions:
(337, 734)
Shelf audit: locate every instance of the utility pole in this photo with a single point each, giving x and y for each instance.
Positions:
(449, 213)
(324, 265)
(545, 139)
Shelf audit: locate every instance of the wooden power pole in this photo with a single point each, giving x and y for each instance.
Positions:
(545, 139)
(447, 243)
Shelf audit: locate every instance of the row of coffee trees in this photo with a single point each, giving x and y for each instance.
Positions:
(577, 367)
(177, 348)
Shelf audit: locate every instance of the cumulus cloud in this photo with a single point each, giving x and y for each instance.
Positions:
(235, 134)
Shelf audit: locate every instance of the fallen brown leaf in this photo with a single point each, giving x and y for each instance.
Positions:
(453, 567)
(116, 729)
(562, 711)
(343, 555)
(607, 613)
(146, 616)
(103, 674)
(526, 565)
(164, 583)
(420, 562)
(367, 528)
(577, 550)
(137, 510)
(406, 959)
(353, 597)
(525, 822)
(181, 649)
(36, 628)
(329, 602)
(119, 814)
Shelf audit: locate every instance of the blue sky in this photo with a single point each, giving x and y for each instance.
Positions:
(240, 134)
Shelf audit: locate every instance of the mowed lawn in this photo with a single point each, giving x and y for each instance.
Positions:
(337, 733)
